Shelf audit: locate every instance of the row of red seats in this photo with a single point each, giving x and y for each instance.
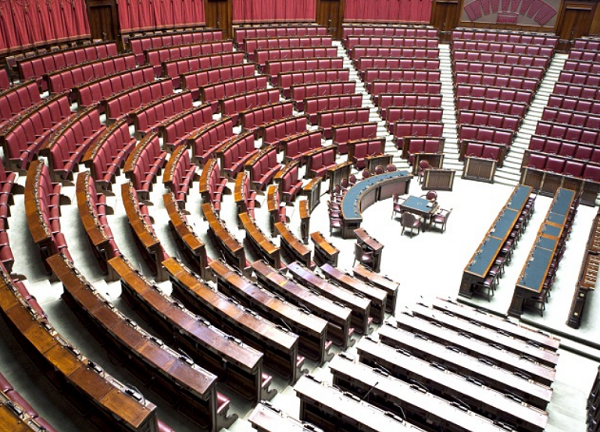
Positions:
(330, 118)
(205, 141)
(253, 118)
(5, 81)
(586, 44)
(500, 58)
(196, 79)
(175, 68)
(140, 44)
(66, 79)
(484, 135)
(388, 30)
(242, 33)
(413, 145)
(212, 184)
(354, 41)
(67, 146)
(377, 88)
(250, 46)
(498, 121)
(532, 72)
(235, 152)
(378, 63)
(17, 99)
(417, 53)
(359, 150)
(403, 129)
(235, 106)
(247, 203)
(506, 37)
(552, 146)
(133, 98)
(37, 67)
(494, 93)
(108, 154)
(156, 57)
(385, 101)
(571, 117)
(147, 117)
(295, 147)
(344, 133)
(491, 106)
(583, 79)
(264, 56)
(277, 211)
(288, 183)
(176, 128)
(263, 167)
(313, 105)
(320, 160)
(422, 75)
(565, 166)
(95, 91)
(22, 139)
(496, 81)
(301, 92)
(571, 103)
(588, 56)
(582, 66)
(275, 67)
(503, 47)
(273, 132)
(483, 150)
(179, 174)
(213, 93)
(568, 133)
(145, 163)
(394, 114)
(289, 79)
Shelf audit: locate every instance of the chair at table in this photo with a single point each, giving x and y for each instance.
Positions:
(345, 185)
(487, 287)
(352, 180)
(391, 168)
(441, 218)
(409, 220)
(334, 208)
(337, 194)
(366, 174)
(379, 170)
(537, 302)
(423, 165)
(363, 256)
(396, 205)
(430, 196)
(335, 222)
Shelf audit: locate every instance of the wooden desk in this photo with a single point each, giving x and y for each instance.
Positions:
(266, 418)
(337, 173)
(279, 346)
(325, 252)
(371, 162)
(312, 190)
(39, 229)
(377, 296)
(365, 240)
(292, 247)
(421, 207)
(336, 315)
(438, 179)
(397, 341)
(312, 330)
(188, 242)
(146, 238)
(13, 417)
(226, 242)
(479, 169)
(259, 241)
(435, 160)
(367, 192)
(381, 282)
(360, 306)
(304, 220)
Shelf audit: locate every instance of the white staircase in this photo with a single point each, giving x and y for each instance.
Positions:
(510, 173)
(450, 132)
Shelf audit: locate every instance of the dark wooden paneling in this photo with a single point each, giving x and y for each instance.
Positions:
(574, 21)
(104, 19)
(330, 14)
(444, 16)
(218, 15)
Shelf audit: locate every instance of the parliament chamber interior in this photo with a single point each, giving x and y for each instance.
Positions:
(318, 215)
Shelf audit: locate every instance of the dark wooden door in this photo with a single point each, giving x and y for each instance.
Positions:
(444, 17)
(218, 15)
(330, 14)
(574, 21)
(103, 17)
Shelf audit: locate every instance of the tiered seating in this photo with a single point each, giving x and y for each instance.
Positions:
(277, 209)
(496, 80)
(327, 119)
(92, 212)
(365, 64)
(235, 152)
(5, 81)
(241, 33)
(504, 47)
(387, 30)
(27, 133)
(235, 106)
(212, 184)
(73, 76)
(106, 156)
(402, 129)
(294, 250)
(253, 118)
(318, 161)
(264, 56)
(563, 150)
(379, 87)
(67, 146)
(42, 201)
(505, 37)
(244, 196)
(156, 57)
(262, 167)
(251, 45)
(301, 92)
(288, 79)
(296, 147)
(179, 174)
(288, 183)
(359, 150)
(400, 74)
(197, 79)
(144, 164)
(352, 41)
(313, 105)
(412, 146)
(501, 58)
(37, 67)
(175, 68)
(396, 52)
(386, 101)
(177, 127)
(139, 44)
(273, 132)
(132, 98)
(395, 114)
(213, 93)
(18, 99)
(536, 73)
(276, 67)
(492, 106)
(581, 66)
(95, 91)
(205, 141)
(344, 133)
(148, 117)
